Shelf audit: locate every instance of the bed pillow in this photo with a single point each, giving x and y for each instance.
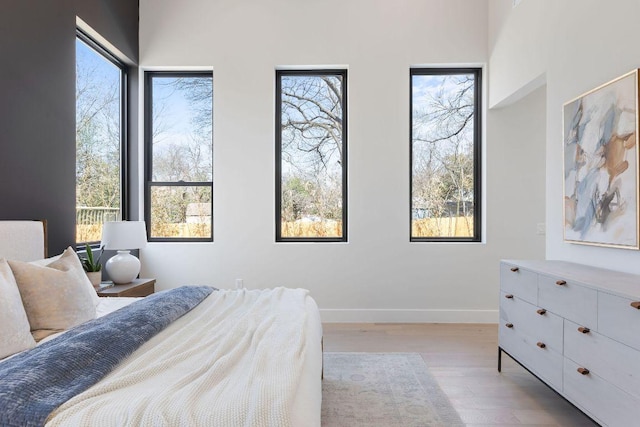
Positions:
(47, 261)
(15, 333)
(57, 296)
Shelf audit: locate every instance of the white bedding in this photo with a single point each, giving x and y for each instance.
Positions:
(105, 306)
(205, 328)
(214, 366)
(110, 304)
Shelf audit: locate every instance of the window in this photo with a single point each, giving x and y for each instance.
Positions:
(445, 154)
(311, 155)
(100, 138)
(179, 148)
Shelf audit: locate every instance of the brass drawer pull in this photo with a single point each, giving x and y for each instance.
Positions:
(541, 312)
(508, 296)
(584, 330)
(636, 304)
(561, 282)
(509, 325)
(583, 371)
(541, 345)
(515, 269)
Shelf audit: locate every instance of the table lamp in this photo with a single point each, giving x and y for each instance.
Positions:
(123, 236)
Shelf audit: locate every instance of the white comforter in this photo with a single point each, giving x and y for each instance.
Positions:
(215, 367)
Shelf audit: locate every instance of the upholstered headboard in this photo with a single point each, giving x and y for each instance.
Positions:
(23, 240)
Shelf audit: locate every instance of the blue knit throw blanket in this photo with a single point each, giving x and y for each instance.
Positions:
(34, 383)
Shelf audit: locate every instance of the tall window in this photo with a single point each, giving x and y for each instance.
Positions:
(445, 154)
(179, 147)
(311, 155)
(100, 138)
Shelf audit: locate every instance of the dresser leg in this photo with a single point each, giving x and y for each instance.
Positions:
(499, 359)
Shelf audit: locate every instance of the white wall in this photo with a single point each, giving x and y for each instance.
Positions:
(587, 43)
(378, 275)
(514, 72)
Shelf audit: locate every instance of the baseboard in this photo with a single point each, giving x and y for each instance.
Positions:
(408, 316)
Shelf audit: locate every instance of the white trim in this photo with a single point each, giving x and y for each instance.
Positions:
(103, 42)
(141, 147)
(522, 92)
(481, 65)
(176, 68)
(307, 67)
(408, 316)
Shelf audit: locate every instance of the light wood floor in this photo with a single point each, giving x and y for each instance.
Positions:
(463, 358)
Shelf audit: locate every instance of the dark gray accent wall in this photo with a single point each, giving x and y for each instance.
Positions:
(37, 103)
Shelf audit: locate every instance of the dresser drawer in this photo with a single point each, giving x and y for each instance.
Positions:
(512, 342)
(610, 360)
(544, 362)
(569, 300)
(605, 402)
(618, 319)
(533, 321)
(519, 282)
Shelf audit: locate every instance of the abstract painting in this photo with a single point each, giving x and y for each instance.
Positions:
(601, 165)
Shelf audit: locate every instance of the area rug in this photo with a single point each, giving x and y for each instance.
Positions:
(382, 390)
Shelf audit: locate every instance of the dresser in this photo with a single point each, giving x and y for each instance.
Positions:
(577, 328)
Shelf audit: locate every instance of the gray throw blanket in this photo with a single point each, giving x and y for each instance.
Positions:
(34, 383)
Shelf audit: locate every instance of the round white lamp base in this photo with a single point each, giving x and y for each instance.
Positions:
(123, 267)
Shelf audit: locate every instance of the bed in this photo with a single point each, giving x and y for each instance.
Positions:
(234, 358)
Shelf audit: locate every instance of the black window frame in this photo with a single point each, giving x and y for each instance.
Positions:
(278, 153)
(148, 147)
(477, 151)
(124, 125)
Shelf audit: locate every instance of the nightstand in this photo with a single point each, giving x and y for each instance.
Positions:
(137, 288)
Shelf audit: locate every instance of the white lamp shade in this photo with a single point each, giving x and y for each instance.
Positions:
(123, 235)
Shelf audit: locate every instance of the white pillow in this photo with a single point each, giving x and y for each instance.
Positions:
(15, 335)
(46, 261)
(58, 296)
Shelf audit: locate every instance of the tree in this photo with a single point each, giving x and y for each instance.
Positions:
(97, 140)
(182, 138)
(312, 122)
(443, 149)
(182, 152)
(312, 150)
